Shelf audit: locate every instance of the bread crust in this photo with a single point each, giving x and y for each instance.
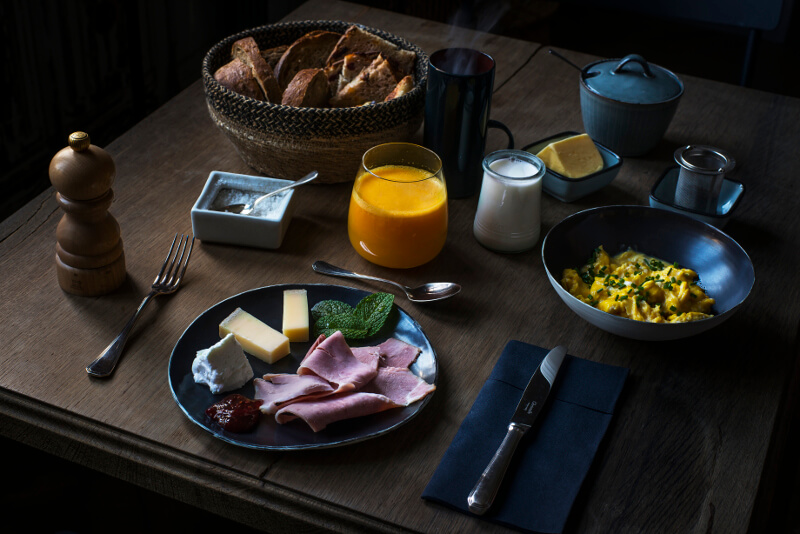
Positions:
(309, 88)
(238, 77)
(358, 41)
(308, 52)
(372, 84)
(246, 50)
(403, 86)
(273, 55)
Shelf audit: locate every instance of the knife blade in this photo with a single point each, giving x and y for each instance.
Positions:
(533, 398)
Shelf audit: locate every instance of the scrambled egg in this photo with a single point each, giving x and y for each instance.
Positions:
(639, 287)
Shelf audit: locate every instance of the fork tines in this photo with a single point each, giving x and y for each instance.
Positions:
(166, 276)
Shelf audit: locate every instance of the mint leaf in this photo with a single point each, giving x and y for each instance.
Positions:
(351, 326)
(365, 320)
(329, 307)
(373, 310)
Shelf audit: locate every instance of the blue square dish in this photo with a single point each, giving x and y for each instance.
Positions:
(663, 196)
(260, 231)
(571, 189)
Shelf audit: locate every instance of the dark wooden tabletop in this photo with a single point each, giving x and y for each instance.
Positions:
(699, 429)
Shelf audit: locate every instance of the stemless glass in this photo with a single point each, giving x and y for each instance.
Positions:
(398, 207)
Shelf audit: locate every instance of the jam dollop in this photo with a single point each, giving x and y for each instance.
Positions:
(236, 413)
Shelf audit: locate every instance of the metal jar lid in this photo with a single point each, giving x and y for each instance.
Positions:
(632, 80)
(703, 159)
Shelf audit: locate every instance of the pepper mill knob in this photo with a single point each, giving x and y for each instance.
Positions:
(79, 141)
(89, 254)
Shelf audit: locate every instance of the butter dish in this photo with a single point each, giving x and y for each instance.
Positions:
(263, 230)
(571, 189)
(663, 196)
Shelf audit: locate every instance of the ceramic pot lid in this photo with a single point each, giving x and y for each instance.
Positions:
(631, 80)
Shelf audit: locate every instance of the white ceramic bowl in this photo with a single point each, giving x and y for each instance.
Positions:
(248, 230)
(724, 268)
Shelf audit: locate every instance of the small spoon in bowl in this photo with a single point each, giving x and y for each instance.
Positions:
(247, 209)
(562, 58)
(423, 293)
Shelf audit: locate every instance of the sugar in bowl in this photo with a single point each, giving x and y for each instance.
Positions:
(508, 218)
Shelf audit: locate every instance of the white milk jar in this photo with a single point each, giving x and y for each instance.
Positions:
(508, 218)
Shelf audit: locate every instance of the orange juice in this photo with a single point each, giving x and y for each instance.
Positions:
(398, 216)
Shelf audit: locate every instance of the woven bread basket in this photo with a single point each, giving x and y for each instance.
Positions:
(288, 142)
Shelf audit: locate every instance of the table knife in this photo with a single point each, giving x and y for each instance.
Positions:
(533, 398)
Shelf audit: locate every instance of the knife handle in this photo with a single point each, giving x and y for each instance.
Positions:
(482, 495)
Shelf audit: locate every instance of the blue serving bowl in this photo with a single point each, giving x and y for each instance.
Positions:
(571, 189)
(663, 196)
(725, 270)
(627, 104)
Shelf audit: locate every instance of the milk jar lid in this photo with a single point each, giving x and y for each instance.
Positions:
(632, 80)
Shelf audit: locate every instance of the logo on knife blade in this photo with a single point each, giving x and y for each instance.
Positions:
(530, 406)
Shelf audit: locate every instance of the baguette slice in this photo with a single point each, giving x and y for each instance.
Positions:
(273, 55)
(358, 41)
(238, 77)
(309, 88)
(246, 51)
(308, 52)
(403, 86)
(372, 84)
(352, 65)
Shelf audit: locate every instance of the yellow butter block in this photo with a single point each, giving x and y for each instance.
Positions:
(255, 337)
(295, 314)
(573, 157)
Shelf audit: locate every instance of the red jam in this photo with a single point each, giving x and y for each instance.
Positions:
(236, 413)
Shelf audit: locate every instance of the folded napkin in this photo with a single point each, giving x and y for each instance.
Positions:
(552, 459)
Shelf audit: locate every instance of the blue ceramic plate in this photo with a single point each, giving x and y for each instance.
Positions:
(724, 268)
(266, 303)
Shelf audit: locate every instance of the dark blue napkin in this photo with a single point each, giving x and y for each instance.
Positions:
(552, 459)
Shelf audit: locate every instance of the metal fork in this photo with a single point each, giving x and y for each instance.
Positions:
(166, 282)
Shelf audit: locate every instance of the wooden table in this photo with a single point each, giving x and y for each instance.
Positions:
(701, 425)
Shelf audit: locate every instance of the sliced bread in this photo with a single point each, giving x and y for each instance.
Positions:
(372, 84)
(273, 55)
(246, 50)
(358, 41)
(308, 52)
(309, 88)
(403, 86)
(238, 77)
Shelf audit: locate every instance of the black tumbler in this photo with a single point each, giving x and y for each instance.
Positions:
(457, 105)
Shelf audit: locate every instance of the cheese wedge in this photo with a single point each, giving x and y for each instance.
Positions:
(255, 337)
(295, 314)
(573, 157)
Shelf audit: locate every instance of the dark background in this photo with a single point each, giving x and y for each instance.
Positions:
(102, 66)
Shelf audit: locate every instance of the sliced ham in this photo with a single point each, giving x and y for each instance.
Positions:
(333, 360)
(367, 355)
(400, 385)
(320, 413)
(396, 353)
(281, 389)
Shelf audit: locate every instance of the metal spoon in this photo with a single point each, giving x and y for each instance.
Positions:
(247, 209)
(559, 56)
(423, 293)
(586, 75)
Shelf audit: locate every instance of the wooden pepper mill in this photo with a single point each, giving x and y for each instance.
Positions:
(89, 256)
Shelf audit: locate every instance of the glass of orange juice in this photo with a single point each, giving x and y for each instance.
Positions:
(398, 208)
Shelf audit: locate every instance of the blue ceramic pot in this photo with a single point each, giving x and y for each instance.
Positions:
(628, 104)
